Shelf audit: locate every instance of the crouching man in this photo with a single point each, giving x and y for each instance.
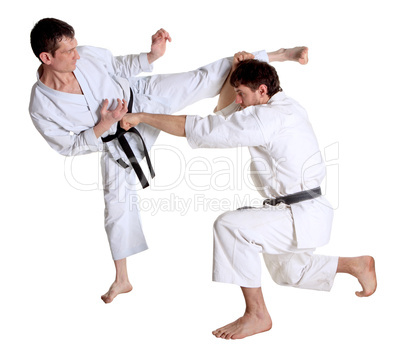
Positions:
(287, 169)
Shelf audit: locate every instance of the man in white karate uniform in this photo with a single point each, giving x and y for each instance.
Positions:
(69, 108)
(287, 170)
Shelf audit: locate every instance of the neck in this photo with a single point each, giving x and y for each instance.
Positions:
(56, 80)
(265, 99)
(60, 81)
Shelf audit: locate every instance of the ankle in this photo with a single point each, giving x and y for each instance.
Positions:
(352, 265)
(259, 311)
(121, 279)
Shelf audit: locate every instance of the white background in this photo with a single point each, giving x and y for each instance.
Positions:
(55, 260)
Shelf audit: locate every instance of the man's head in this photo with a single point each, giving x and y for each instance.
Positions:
(47, 35)
(255, 82)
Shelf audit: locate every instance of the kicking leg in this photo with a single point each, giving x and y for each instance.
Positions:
(169, 93)
(298, 54)
(255, 320)
(363, 268)
(121, 284)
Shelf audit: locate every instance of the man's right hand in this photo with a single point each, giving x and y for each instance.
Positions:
(110, 117)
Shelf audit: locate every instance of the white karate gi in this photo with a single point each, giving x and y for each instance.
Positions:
(66, 121)
(285, 159)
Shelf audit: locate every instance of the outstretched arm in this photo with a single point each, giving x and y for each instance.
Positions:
(172, 124)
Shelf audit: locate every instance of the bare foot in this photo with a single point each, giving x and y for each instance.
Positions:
(247, 325)
(365, 273)
(115, 289)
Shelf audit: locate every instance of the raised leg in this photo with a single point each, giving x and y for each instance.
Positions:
(256, 318)
(169, 93)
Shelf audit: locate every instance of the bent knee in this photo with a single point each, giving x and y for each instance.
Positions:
(225, 219)
(291, 272)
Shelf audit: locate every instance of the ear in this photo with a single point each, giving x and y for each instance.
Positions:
(263, 90)
(46, 58)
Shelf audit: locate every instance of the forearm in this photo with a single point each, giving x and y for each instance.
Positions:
(172, 124)
(227, 94)
(100, 129)
(151, 58)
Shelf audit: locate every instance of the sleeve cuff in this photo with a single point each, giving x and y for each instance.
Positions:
(230, 109)
(95, 144)
(261, 55)
(145, 65)
(189, 130)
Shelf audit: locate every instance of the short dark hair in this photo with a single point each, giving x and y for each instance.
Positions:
(254, 73)
(48, 33)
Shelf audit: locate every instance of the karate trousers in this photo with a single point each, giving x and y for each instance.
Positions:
(241, 236)
(159, 94)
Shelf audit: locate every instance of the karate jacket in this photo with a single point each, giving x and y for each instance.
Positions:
(285, 156)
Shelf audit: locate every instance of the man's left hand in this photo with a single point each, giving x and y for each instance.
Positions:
(158, 46)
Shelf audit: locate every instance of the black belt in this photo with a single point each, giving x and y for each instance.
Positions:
(294, 198)
(128, 151)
